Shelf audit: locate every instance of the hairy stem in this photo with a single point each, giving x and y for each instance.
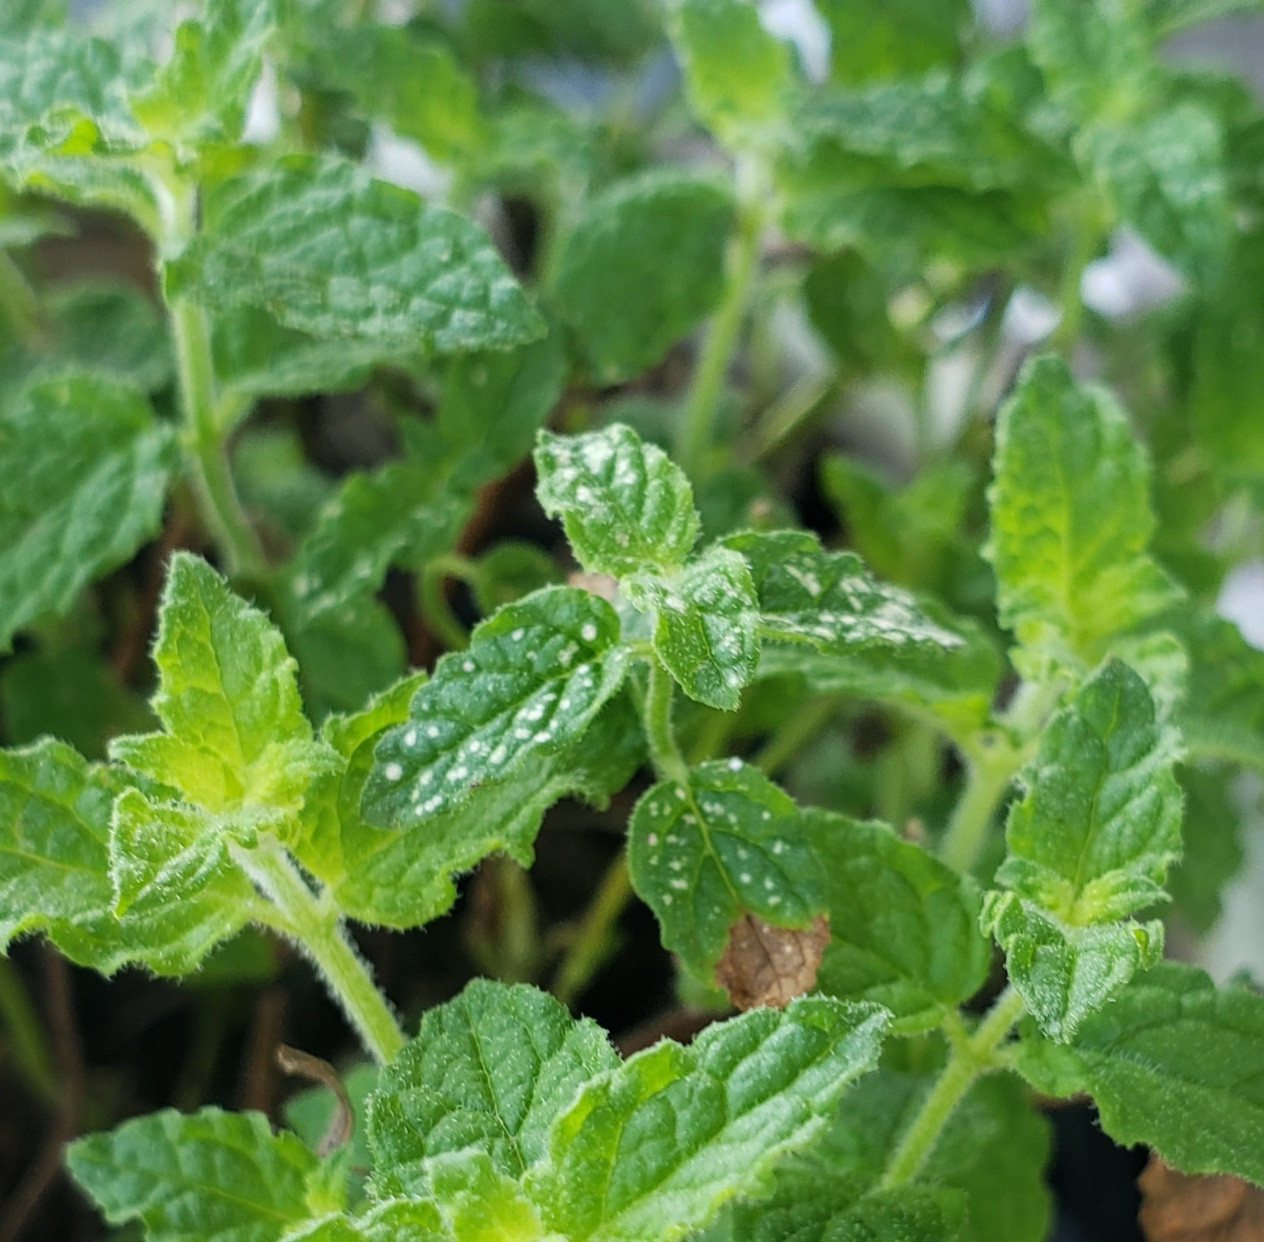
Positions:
(988, 774)
(665, 754)
(594, 938)
(971, 1057)
(436, 611)
(207, 455)
(697, 427)
(318, 932)
(27, 1043)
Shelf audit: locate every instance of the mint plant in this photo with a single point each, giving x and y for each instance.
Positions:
(914, 740)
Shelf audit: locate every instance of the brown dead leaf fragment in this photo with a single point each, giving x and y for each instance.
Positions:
(1179, 1207)
(766, 965)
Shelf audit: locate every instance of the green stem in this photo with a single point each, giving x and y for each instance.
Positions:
(970, 1058)
(19, 303)
(988, 774)
(26, 1033)
(668, 762)
(433, 599)
(697, 427)
(594, 938)
(318, 932)
(207, 453)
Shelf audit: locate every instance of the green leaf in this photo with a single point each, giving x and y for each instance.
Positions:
(493, 405)
(489, 1071)
(533, 679)
(408, 78)
(223, 1177)
(1071, 520)
(327, 251)
(396, 1220)
(1222, 714)
(588, 30)
(903, 927)
(869, 39)
(1167, 177)
(642, 265)
(1168, 16)
(824, 617)
(1065, 973)
(1100, 823)
(991, 1153)
(200, 94)
(624, 505)
(1173, 1064)
(403, 878)
(652, 1151)
(234, 737)
(86, 470)
(1213, 845)
(705, 625)
(737, 75)
(729, 843)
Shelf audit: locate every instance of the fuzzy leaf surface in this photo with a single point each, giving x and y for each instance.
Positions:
(403, 877)
(903, 927)
(1173, 1063)
(234, 735)
(490, 1070)
(1222, 715)
(534, 677)
(200, 94)
(730, 843)
(223, 1177)
(1100, 823)
(705, 625)
(86, 469)
(822, 615)
(640, 268)
(624, 504)
(1071, 519)
(652, 1151)
(328, 251)
(395, 1220)
(1065, 973)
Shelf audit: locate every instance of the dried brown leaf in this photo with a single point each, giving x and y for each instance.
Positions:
(1179, 1207)
(766, 965)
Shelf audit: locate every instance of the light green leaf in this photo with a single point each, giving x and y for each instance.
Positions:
(234, 737)
(533, 679)
(1174, 1064)
(640, 267)
(481, 1204)
(395, 1220)
(903, 927)
(489, 1071)
(737, 75)
(652, 1151)
(729, 843)
(624, 505)
(823, 616)
(1168, 180)
(1100, 823)
(1096, 56)
(1070, 520)
(1065, 973)
(403, 878)
(200, 94)
(212, 1175)
(327, 251)
(705, 625)
(55, 833)
(86, 469)
(872, 39)
(1168, 16)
